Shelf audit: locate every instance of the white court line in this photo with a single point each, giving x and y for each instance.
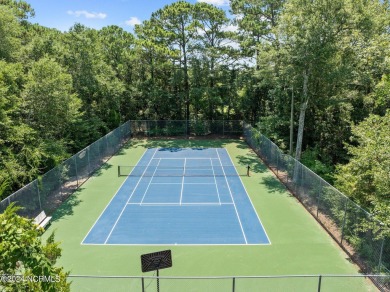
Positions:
(182, 181)
(178, 204)
(112, 198)
(178, 244)
(143, 197)
(112, 229)
(239, 220)
(250, 200)
(181, 167)
(178, 158)
(215, 180)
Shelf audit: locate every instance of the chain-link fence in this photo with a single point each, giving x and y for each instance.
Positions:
(350, 225)
(361, 236)
(55, 186)
(301, 283)
(185, 128)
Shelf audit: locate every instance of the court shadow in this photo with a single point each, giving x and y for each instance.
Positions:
(253, 161)
(100, 170)
(273, 185)
(66, 208)
(243, 145)
(177, 144)
(172, 149)
(122, 150)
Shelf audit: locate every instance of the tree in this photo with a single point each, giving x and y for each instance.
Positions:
(50, 106)
(10, 31)
(175, 27)
(366, 178)
(317, 55)
(94, 81)
(158, 78)
(213, 48)
(24, 255)
(20, 8)
(256, 20)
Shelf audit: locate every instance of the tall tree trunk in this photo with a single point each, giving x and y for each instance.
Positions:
(211, 91)
(301, 124)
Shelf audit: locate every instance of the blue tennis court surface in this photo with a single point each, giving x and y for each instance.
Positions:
(180, 196)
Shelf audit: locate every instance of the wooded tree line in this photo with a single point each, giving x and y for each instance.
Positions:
(59, 91)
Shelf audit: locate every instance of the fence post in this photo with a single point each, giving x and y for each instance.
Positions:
(60, 178)
(108, 150)
(89, 164)
(319, 283)
(39, 195)
(301, 180)
(234, 284)
(287, 167)
(100, 152)
(77, 174)
(344, 220)
(318, 197)
(380, 255)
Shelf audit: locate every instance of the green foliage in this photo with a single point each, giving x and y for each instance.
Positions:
(366, 178)
(60, 91)
(20, 8)
(23, 254)
(320, 165)
(49, 104)
(10, 31)
(378, 101)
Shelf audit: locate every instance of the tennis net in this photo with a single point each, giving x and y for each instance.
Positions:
(174, 171)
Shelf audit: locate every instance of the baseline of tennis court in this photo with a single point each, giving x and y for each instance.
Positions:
(175, 196)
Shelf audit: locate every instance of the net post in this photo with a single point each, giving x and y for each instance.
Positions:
(158, 281)
(319, 283)
(143, 284)
(119, 171)
(234, 285)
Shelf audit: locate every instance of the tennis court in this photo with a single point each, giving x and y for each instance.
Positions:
(299, 243)
(179, 196)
